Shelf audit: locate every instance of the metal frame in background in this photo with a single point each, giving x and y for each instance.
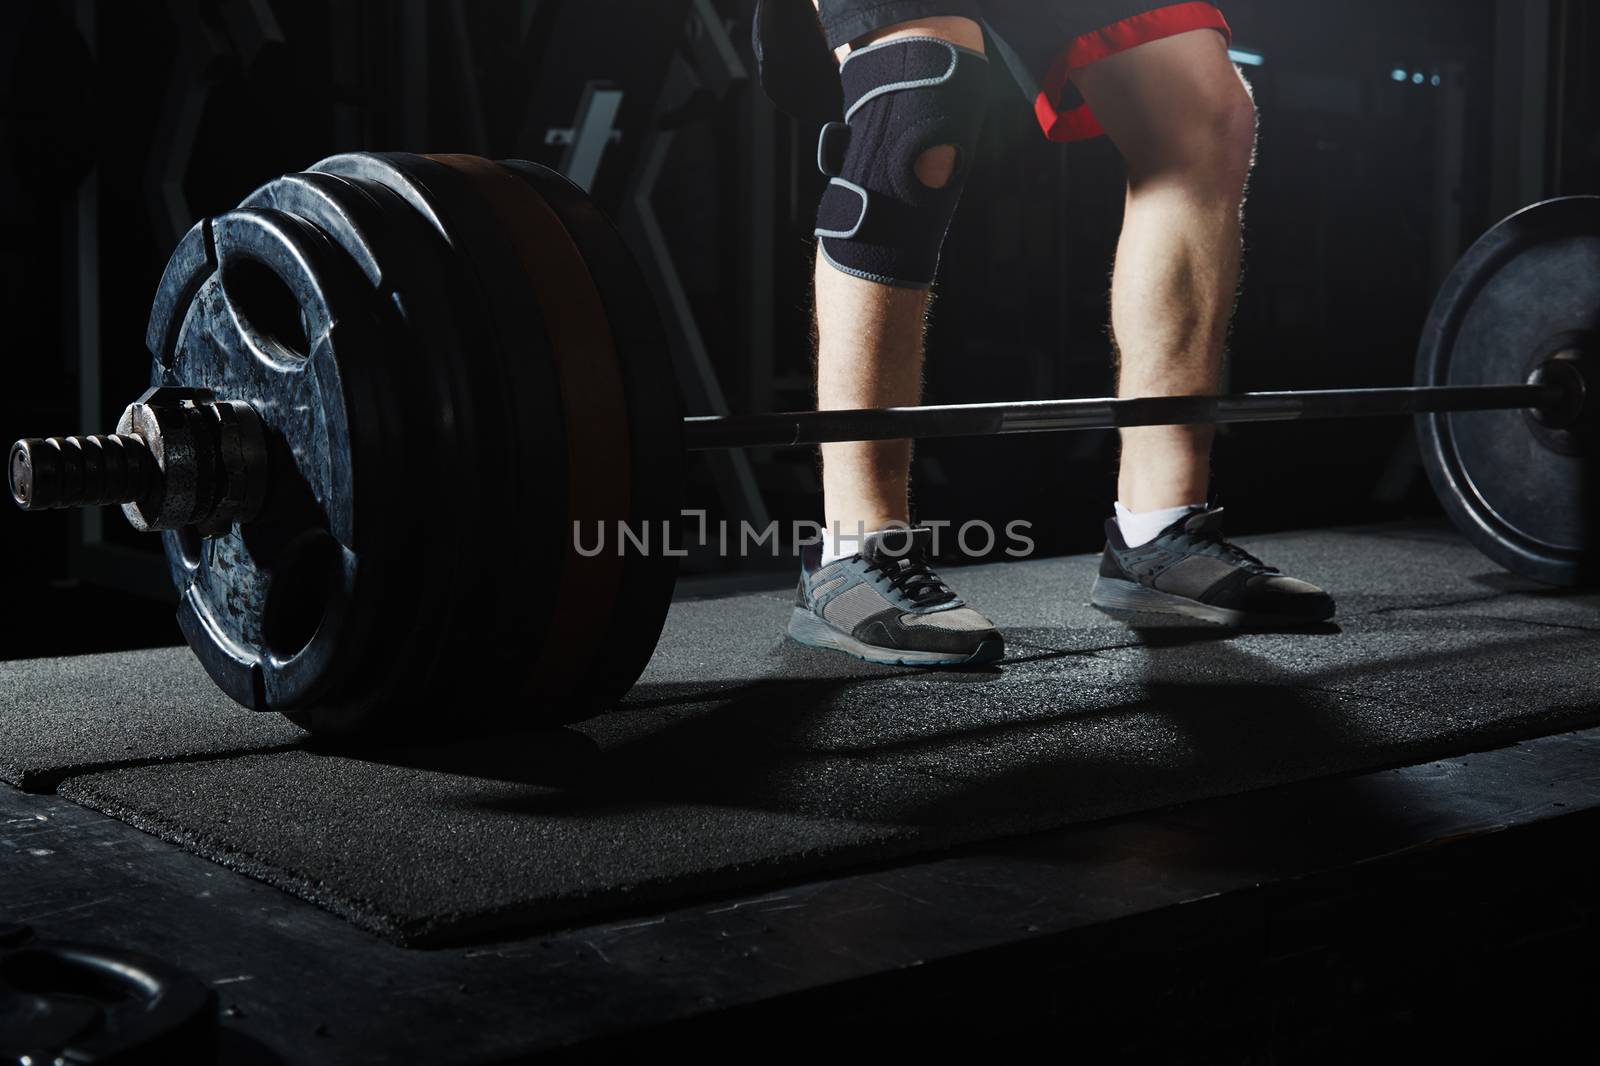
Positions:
(717, 68)
(1522, 139)
(1521, 117)
(90, 557)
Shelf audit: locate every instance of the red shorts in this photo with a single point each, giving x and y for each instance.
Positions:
(1029, 35)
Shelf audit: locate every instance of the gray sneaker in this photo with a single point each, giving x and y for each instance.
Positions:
(886, 605)
(1189, 571)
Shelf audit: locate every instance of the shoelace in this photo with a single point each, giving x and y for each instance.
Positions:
(1212, 543)
(913, 577)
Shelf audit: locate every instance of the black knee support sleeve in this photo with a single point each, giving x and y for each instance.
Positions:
(877, 219)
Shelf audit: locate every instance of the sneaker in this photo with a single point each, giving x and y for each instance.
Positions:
(1190, 571)
(886, 605)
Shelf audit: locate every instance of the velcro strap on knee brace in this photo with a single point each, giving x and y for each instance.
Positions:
(877, 219)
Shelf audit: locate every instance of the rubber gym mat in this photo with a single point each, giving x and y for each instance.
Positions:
(742, 759)
(59, 716)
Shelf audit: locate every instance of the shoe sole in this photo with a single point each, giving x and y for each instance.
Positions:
(1118, 598)
(813, 632)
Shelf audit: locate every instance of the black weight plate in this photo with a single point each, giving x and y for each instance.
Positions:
(554, 277)
(521, 521)
(655, 416)
(76, 1003)
(429, 406)
(1527, 289)
(259, 306)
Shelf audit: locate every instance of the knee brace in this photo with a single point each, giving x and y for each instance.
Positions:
(878, 220)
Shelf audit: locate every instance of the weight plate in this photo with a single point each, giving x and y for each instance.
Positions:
(258, 306)
(1527, 290)
(442, 349)
(76, 1003)
(655, 420)
(555, 278)
(403, 261)
(521, 521)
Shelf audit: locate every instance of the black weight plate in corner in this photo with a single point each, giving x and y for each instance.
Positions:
(268, 313)
(522, 521)
(655, 415)
(427, 408)
(80, 1003)
(1528, 288)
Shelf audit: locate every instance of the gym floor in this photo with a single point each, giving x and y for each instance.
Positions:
(760, 833)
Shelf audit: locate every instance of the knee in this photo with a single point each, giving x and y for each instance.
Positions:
(937, 165)
(1225, 149)
(1210, 143)
(1236, 134)
(897, 163)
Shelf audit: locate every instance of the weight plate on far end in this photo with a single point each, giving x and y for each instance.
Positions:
(1526, 292)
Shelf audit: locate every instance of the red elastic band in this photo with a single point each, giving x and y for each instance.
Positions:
(1078, 123)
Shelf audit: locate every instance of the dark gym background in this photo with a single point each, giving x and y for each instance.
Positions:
(1392, 134)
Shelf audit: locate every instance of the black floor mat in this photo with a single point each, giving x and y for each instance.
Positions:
(742, 758)
(88, 712)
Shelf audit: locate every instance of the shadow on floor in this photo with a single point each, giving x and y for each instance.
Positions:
(745, 743)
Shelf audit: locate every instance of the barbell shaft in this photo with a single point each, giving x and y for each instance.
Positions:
(797, 428)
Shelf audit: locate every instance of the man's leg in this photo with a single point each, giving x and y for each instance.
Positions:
(869, 347)
(869, 354)
(1183, 119)
(913, 109)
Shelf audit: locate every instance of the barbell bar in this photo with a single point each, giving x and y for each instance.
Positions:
(73, 474)
(711, 432)
(385, 389)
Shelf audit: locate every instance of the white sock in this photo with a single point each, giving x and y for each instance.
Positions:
(841, 543)
(1141, 527)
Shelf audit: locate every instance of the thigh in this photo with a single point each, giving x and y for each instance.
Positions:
(798, 65)
(1175, 98)
(844, 21)
(1049, 43)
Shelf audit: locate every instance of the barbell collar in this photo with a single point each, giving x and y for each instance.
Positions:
(802, 428)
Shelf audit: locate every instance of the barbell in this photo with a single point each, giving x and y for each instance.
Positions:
(385, 389)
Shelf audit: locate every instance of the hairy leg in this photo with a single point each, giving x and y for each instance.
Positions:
(1182, 117)
(869, 347)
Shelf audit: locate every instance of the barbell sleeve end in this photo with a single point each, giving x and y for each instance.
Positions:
(49, 473)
